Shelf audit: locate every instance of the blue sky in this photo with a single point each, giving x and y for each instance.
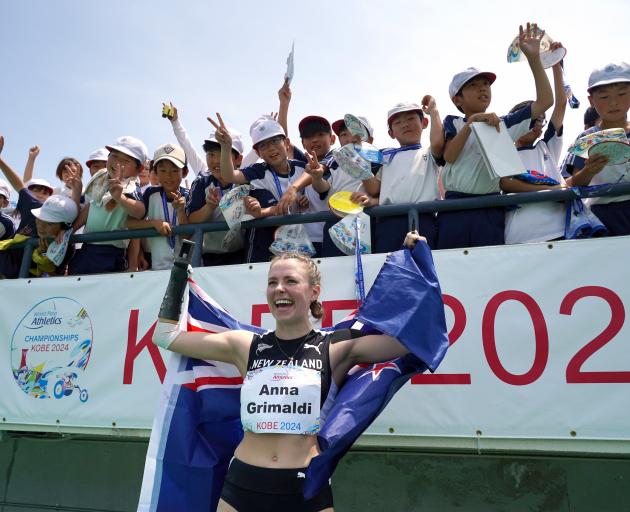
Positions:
(77, 74)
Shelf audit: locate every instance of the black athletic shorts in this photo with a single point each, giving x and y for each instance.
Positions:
(254, 489)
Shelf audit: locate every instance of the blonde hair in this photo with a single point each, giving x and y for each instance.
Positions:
(314, 276)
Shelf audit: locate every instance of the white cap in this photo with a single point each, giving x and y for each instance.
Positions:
(264, 128)
(612, 73)
(5, 190)
(40, 182)
(465, 76)
(237, 140)
(364, 121)
(57, 208)
(132, 147)
(172, 153)
(403, 107)
(100, 155)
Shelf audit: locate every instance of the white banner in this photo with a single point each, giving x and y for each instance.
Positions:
(540, 346)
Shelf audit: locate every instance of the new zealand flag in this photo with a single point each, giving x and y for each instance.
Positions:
(197, 427)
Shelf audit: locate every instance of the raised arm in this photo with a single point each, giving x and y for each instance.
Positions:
(30, 163)
(529, 41)
(284, 95)
(436, 134)
(229, 346)
(196, 162)
(222, 134)
(8, 172)
(560, 97)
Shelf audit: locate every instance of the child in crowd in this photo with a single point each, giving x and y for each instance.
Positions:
(164, 206)
(317, 140)
(609, 93)
(70, 172)
(591, 117)
(465, 173)
(346, 136)
(31, 195)
(539, 222)
(97, 160)
(53, 219)
(7, 228)
(269, 180)
(409, 173)
(112, 195)
(219, 247)
(329, 178)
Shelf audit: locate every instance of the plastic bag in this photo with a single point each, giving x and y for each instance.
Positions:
(581, 222)
(292, 238)
(343, 234)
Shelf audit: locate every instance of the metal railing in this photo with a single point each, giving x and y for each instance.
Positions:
(411, 209)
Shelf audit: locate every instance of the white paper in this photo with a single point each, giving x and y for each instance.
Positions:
(288, 76)
(497, 149)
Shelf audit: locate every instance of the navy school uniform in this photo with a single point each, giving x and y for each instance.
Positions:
(213, 253)
(267, 187)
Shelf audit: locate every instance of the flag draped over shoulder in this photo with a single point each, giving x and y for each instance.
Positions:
(197, 426)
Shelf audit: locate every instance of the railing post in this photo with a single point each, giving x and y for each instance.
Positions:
(196, 256)
(414, 219)
(27, 255)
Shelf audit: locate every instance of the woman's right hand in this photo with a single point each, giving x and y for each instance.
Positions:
(412, 239)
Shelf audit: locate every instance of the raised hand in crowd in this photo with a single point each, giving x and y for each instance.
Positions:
(529, 39)
(284, 95)
(115, 185)
(316, 171)
(212, 198)
(12, 177)
(222, 134)
(33, 153)
(179, 205)
(224, 138)
(169, 111)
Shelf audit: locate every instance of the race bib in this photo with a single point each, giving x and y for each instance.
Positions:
(281, 400)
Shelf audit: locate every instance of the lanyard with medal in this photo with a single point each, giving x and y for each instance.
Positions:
(173, 220)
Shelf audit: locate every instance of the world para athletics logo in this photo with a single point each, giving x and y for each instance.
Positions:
(51, 348)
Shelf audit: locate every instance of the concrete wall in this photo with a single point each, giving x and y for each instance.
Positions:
(40, 474)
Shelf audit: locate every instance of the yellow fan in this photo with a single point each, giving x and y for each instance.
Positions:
(341, 205)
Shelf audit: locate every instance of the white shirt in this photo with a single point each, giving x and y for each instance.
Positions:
(539, 222)
(410, 177)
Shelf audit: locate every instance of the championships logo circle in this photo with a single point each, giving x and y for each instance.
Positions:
(51, 348)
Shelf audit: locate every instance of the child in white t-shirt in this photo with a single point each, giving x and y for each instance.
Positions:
(465, 173)
(539, 222)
